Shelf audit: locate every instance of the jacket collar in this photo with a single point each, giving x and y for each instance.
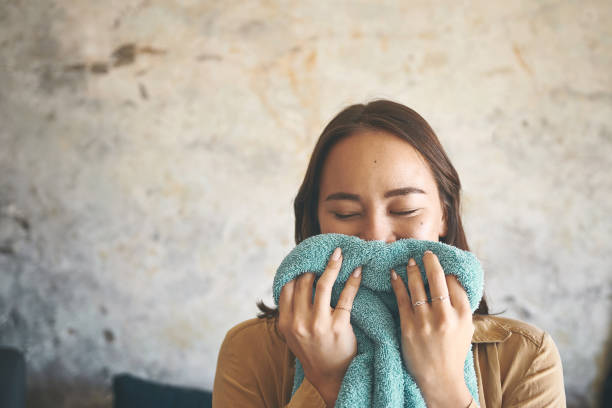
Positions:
(488, 330)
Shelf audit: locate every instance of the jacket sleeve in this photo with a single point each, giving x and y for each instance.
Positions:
(248, 375)
(542, 383)
(306, 396)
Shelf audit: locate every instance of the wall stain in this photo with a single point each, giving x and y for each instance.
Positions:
(109, 336)
(78, 67)
(433, 60)
(99, 68)
(252, 28)
(209, 57)
(567, 92)
(428, 35)
(144, 94)
(521, 61)
(123, 55)
(498, 71)
(12, 213)
(384, 42)
(6, 250)
(311, 60)
(147, 49)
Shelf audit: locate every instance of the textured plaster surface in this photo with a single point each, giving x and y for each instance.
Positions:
(150, 152)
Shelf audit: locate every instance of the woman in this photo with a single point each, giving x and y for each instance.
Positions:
(378, 172)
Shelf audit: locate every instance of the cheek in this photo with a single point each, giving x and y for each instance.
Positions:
(329, 224)
(424, 228)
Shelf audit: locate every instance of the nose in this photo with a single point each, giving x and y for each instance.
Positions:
(377, 227)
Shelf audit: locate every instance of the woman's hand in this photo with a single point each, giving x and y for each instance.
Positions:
(436, 336)
(321, 337)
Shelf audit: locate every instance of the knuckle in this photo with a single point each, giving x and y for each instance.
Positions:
(344, 300)
(350, 289)
(318, 329)
(426, 328)
(322, 284)
(336, 328)
(443, 326)
(446, 324)
(414, 275)
(421, 328)
(401, 302)
(298, 329)
(465, 312)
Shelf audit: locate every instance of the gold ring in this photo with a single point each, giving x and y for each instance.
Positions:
(419, 302)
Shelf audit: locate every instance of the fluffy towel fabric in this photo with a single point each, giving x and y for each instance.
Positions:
(377, 376)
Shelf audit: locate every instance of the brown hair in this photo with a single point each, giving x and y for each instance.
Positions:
(396, 119)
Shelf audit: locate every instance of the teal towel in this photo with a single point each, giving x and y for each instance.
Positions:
(377, 376)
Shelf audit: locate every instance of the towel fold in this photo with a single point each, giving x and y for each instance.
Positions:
(377, 376)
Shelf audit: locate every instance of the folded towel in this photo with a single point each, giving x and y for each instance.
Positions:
(377, 376)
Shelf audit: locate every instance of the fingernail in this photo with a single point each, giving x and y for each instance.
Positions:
(428, 252)
(357, 272)
(411, 262)
(336, 254)
(393, 275)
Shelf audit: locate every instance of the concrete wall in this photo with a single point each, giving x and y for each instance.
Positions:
(150, 151)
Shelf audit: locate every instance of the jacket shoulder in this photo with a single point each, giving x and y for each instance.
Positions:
(247, 328)
(525, 360)
(528, 331)
(496, 328)
(253, 334)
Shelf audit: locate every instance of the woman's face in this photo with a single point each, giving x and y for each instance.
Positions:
(376, 186)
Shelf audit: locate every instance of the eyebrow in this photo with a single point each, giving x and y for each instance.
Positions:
(388, 194)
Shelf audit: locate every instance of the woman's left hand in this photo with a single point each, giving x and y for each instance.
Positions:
(436, 336)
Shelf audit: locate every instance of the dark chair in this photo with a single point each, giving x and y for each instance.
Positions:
(132, 392)
(12, 378)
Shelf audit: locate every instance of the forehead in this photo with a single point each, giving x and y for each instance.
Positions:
(374, 160)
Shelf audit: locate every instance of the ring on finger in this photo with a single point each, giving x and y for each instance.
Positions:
(439, 298)
(348, 309)
(419, 302)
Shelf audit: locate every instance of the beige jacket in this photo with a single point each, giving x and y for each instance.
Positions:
(517, 365)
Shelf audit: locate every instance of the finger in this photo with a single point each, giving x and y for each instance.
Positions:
(458, 295)
(285, 301)
(347, 296)
(401, 295)
(326, 282)
(302, 298)
(435, 277)
(285, 305)
(416, 287)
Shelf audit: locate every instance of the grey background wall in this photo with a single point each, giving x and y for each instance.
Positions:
(150, 152)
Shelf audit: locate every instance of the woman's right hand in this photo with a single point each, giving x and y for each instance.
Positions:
(320, 336)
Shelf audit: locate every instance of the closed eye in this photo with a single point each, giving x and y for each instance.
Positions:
(404, 212)
(344, 216)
